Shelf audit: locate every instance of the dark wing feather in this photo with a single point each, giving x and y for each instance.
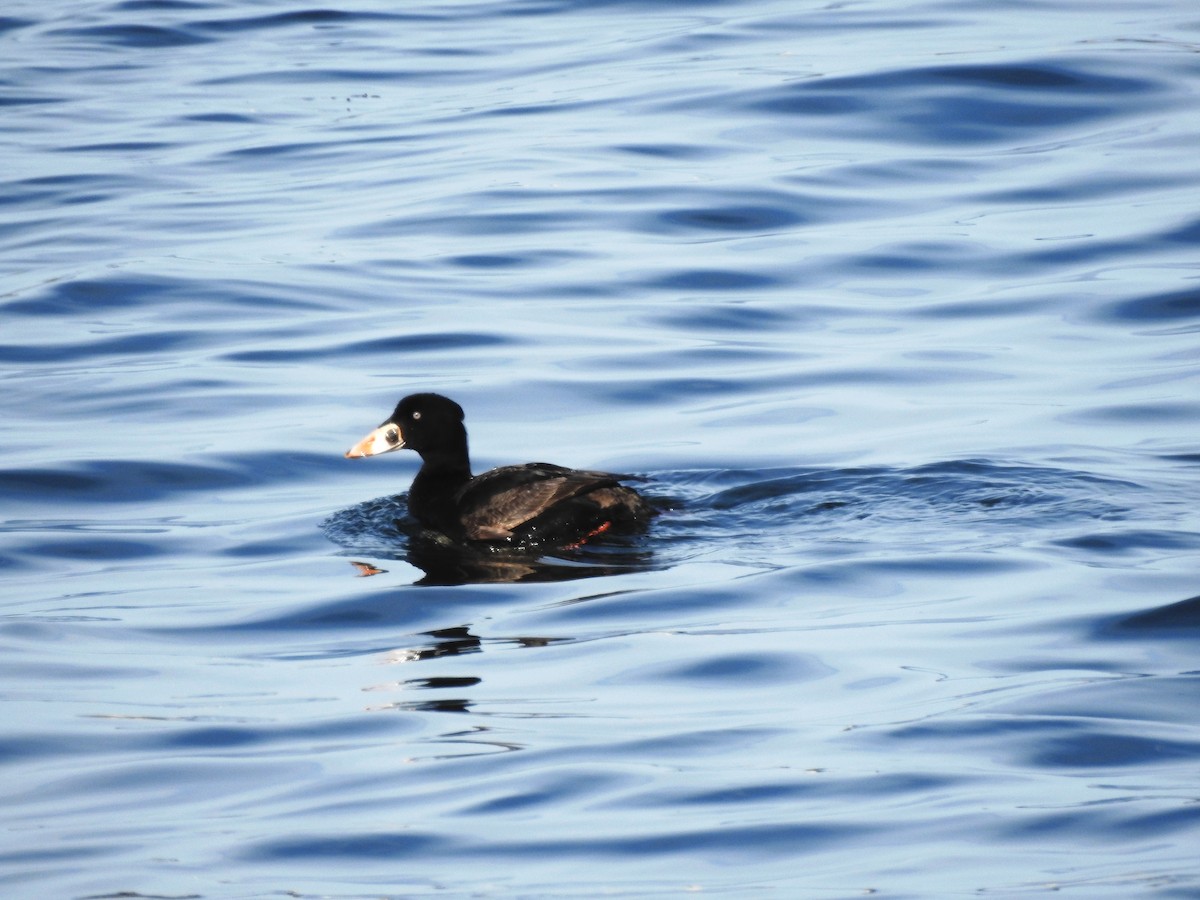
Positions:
(496, 502)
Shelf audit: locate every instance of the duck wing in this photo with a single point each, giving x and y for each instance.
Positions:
(500, 500)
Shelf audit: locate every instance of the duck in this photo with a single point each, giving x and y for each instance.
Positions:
(531, 505)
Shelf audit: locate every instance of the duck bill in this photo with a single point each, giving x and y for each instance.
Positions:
(383, 439)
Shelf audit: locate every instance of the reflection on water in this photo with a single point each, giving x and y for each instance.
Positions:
(383, 528)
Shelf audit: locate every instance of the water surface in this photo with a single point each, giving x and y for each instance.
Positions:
(892, 306)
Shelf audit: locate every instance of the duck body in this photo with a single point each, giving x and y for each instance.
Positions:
(530, 505)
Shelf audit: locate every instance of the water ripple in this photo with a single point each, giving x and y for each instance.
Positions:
(965, 104)
(141, 37)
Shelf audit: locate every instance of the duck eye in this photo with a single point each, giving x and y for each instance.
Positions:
(392, 436)
(416, 414)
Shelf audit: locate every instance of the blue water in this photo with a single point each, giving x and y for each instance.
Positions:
(893, 306)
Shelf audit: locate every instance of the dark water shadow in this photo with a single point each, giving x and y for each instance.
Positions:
(383, 530)
(1178, 621)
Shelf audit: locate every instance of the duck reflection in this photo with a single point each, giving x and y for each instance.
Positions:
(456, 641)
(446, 642)
(382, 529)
(454, 690)
(445, 564)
